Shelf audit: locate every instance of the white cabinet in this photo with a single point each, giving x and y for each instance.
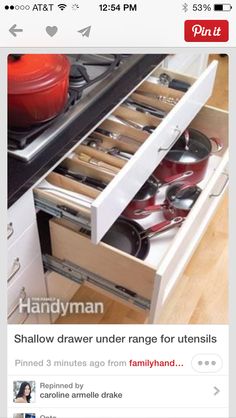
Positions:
(20, 216)
(25, 276)
(28, 288)
(22, 252)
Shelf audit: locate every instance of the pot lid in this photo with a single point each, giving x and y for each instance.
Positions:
(196, 149)
(183, 156)
(183, 196)
(28, 73)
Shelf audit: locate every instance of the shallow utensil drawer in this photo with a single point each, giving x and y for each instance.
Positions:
(110, 203)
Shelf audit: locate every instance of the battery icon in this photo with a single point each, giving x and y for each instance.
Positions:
(224, 7)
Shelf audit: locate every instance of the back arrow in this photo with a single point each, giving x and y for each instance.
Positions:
(216, 391)
(13, 30)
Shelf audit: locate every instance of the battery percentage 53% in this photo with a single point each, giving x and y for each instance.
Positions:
(201, 7)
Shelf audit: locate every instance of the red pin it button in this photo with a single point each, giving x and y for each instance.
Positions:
(206, 30)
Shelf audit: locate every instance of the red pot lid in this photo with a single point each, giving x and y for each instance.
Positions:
(34, 72)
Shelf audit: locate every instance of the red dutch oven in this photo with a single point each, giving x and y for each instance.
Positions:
(191, 152)
(146, 196)
(179, 200)
(37, 88)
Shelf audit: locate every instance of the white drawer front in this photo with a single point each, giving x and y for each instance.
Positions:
(30, 283)
(113, 200)
(20, 216)
(22, 252)
(189, 235)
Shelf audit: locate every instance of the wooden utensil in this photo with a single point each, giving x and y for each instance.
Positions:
(84, 157)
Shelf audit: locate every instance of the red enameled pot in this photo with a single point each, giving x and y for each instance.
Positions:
(37, 88)
(191, 152)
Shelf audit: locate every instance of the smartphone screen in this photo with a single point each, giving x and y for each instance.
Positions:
(115, 121)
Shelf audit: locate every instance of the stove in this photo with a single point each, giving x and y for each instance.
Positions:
(90, 76)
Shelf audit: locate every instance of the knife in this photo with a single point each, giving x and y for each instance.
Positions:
(144, 108)
(89, 181)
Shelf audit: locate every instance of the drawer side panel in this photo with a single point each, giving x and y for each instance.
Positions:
(101, 259)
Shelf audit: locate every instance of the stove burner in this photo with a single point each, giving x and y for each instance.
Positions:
(78, 75)
(80, 79)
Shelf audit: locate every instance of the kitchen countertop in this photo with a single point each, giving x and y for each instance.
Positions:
(22, 176)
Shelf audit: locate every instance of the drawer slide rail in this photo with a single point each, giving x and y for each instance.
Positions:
(61, 212)
(82, 276)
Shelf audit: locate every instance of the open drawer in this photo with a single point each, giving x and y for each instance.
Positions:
(148, 149)
(145, 283)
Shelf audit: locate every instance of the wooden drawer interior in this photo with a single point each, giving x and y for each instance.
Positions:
(65, 198)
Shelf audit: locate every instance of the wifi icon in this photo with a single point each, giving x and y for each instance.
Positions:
(62, 6)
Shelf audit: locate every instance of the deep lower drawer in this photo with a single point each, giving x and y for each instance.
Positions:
(153, 278)
(126, 178)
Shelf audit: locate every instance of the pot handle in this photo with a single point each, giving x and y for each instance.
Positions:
(218, 143)
(161, 227)
(177, 177)
(149, 209)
